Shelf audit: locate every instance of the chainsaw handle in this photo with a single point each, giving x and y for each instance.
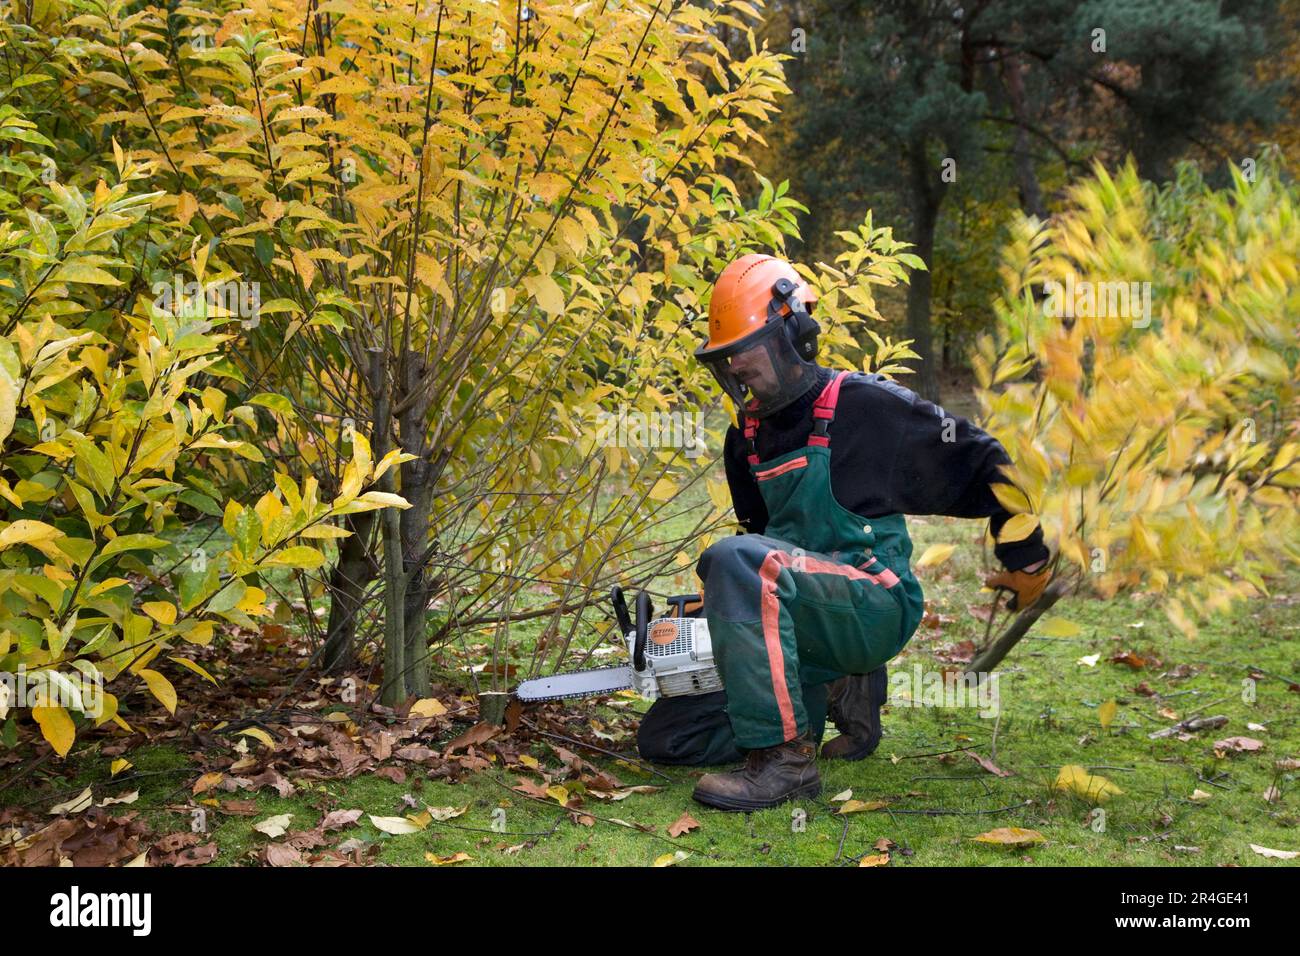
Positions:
(686, 604)
(620, 611)
(643, 612)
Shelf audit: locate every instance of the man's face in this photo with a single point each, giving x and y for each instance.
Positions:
(753, 369)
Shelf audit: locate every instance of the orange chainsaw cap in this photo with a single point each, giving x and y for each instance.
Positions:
(738, 307)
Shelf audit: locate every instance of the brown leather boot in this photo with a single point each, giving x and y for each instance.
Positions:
(854, 706)
(770, 777)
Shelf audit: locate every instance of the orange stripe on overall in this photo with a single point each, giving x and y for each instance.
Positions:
(771, 613)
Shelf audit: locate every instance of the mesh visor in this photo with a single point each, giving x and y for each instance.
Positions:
(762, 374)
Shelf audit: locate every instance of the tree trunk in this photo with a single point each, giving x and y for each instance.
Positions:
(1031, 195)
(393, 691)
(417, 488)
(353, 571)
(1016, 628)
(926, 194)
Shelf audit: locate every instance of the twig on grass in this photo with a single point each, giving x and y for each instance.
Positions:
(944, 812)
(608, 753)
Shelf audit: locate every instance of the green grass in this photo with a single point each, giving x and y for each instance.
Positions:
(1048, 719)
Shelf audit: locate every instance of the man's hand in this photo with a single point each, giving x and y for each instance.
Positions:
(1026, 585)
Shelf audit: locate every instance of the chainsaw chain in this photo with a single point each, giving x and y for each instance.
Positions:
(589, 670)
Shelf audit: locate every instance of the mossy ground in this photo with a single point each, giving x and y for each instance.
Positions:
(935, 804)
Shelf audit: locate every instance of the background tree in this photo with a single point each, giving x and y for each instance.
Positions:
(920, 111)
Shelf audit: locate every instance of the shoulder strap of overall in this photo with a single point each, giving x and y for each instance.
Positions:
(823, 415)
(824, 411)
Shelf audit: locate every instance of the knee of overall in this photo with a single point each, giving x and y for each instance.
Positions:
(731, 556)
(729, 570)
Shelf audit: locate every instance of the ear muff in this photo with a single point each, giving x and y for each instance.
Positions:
(799, 325)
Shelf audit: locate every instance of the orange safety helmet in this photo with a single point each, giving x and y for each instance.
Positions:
(762, 336)
(743, 299)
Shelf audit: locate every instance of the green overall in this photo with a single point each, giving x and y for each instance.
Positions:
(822, 593)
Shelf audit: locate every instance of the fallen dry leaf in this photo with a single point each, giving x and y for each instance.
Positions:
(427, 707)
(1129, 659)
(128, 798)
(338, 819)
(1091, 787)
(277, 854)
(274, 826)
(1010, 837)
(82, 801)
(861, 806)
(207, 782)
(476, 736)
(988, 765)
(447, 860)
(1239, 744)
(684, 824)
(446, 813)
(398, 826)
(1275, 854)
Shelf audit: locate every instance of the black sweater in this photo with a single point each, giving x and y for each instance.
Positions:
(888, 456)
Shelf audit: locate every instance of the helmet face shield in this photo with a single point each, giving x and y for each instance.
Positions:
(762, 373)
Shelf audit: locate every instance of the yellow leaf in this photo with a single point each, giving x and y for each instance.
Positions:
(1018, 528)
(875, 859)
(1058, 627)
(547, 293)
(861, 806)
(184, 662)
(258, 734)
(164, 612)
(118, 765)
(108, 711)
(186, 207)
(28, 532)
(1010, 836)
(395, 825)
(427, 707)
(8, 405)
(935, 555)
(107, 585)
(1078, 781)
(671, 859)
(161, 688)
(1177, 615)
(447, 860)
(305, 268)
(1106, 713)
(56, 727)
(200, 633)
(663, 490)
(719, 494)
(207, 782)
(1010, 497)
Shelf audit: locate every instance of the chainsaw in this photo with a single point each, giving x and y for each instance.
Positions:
(670, 656)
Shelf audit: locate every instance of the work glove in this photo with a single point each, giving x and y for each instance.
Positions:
(1025, 587)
